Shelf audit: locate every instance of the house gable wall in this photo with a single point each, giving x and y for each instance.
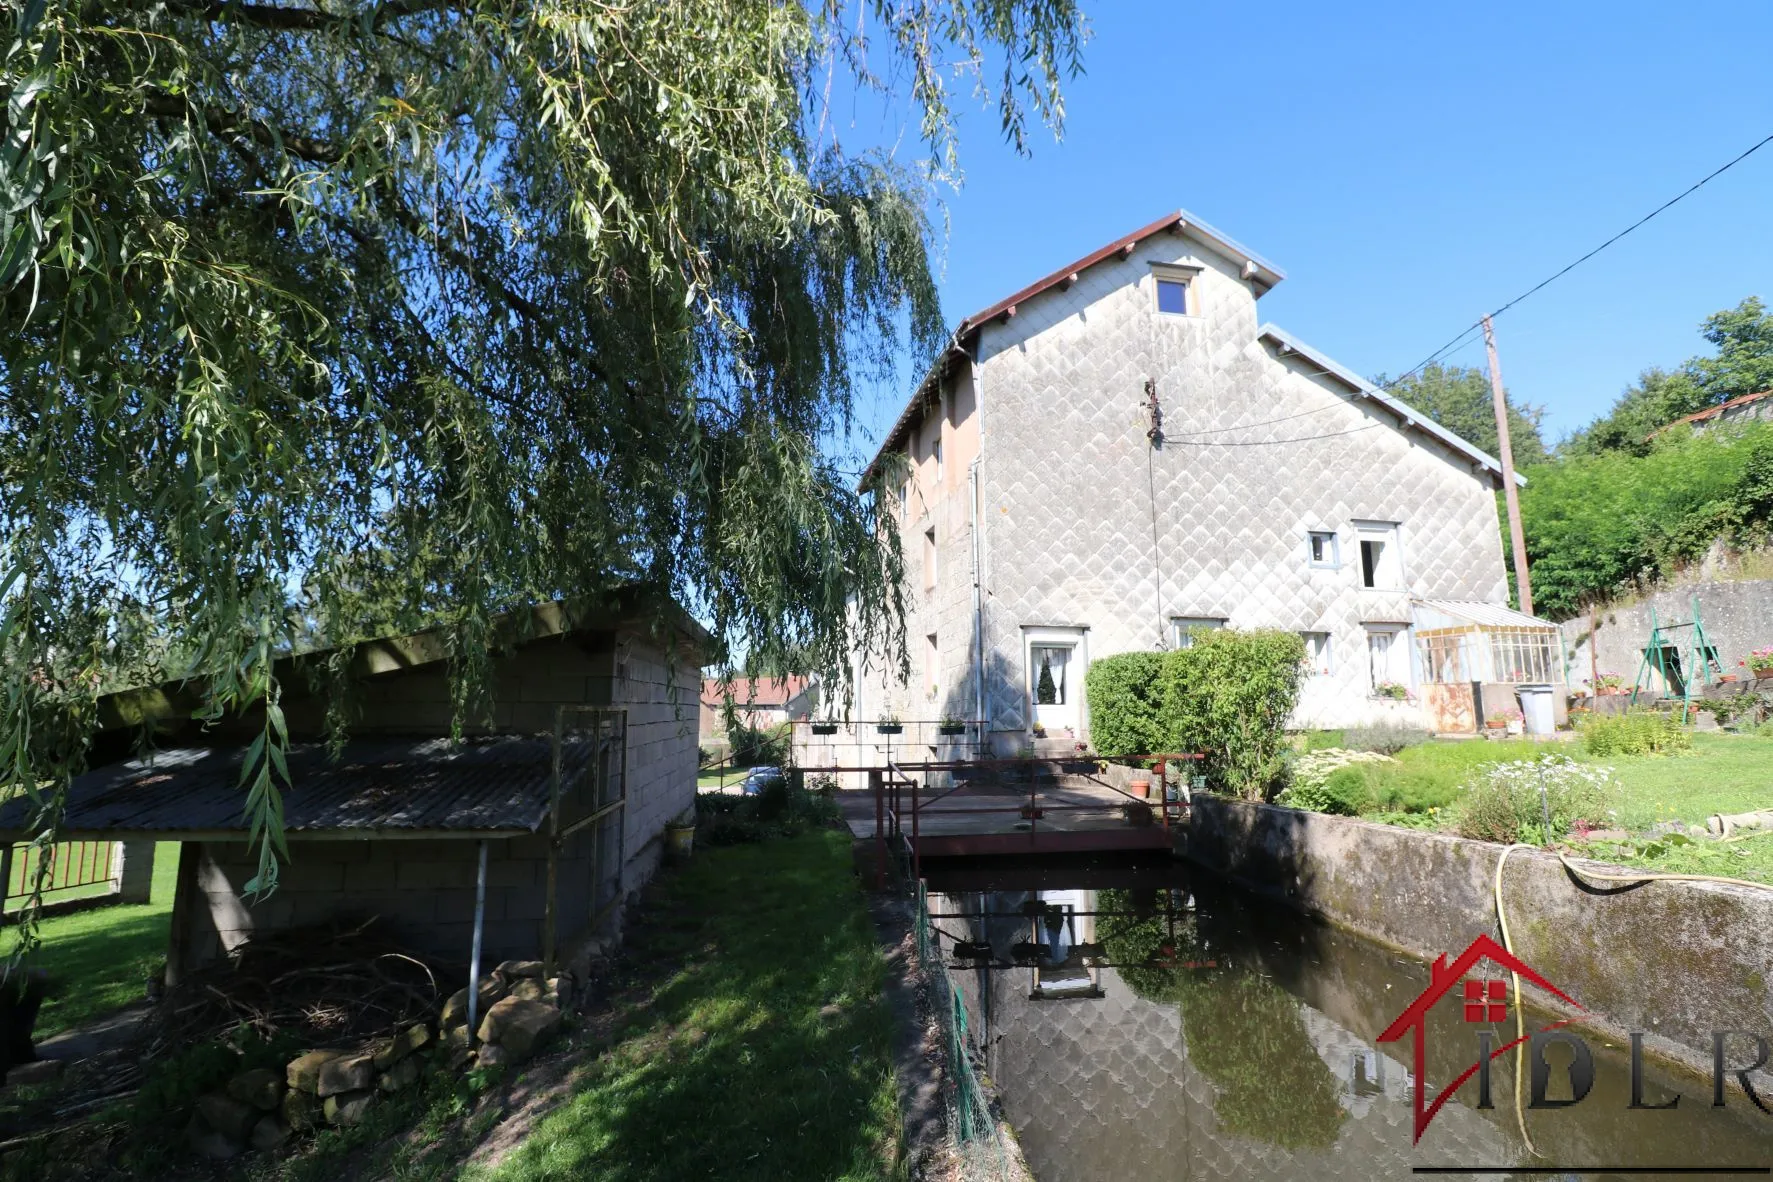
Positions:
(1258, 450)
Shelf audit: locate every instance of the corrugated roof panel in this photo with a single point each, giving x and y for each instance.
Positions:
(484, 786)
(1492, 615)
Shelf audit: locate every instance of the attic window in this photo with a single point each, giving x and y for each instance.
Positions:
(1172, 296)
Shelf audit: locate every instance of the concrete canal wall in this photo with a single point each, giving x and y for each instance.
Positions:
(1676, 960)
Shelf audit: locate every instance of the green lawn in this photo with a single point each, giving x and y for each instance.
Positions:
(765, 1054)
(1723, 773)
(99, 960)
(728, 774)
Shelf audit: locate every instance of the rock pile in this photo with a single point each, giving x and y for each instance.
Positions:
(517, 1011)
(263, 1108)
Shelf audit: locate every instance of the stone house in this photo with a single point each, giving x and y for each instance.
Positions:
(535, 826)
(759, 702)
(1123, 452)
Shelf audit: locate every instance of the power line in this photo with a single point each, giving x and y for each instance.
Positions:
(1478, 324)
(1688, 192)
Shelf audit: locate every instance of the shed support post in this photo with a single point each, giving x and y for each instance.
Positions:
(548, 908)
(474, 957)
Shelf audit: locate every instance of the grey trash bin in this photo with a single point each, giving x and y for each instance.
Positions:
(1537, 711)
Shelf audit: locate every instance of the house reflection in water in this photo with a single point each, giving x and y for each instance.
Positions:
(1167, 1028)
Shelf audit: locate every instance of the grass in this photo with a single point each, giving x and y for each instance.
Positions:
(729, 773)
(1723, 773)
(99, 960)
(764, 1054)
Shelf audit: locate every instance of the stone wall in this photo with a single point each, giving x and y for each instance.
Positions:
(1677, 960)
(1738, 618)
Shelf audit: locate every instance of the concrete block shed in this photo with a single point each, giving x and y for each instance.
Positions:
(541, 820)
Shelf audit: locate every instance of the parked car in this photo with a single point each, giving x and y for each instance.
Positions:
(759, 778)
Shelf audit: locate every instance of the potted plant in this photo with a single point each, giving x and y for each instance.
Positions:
(824, 726)
(890, 725)
(1508, 721)
(1609, 683)
(1392, 690)
(680, 835)
(1140, 787)
(951, 725)
(1040, 730)
(1760, 662)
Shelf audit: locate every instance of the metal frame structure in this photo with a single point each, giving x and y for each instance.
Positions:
(1701, 657)
(609, 732)
(889, 783)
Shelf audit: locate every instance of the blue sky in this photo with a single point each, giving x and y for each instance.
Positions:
(1410, 167)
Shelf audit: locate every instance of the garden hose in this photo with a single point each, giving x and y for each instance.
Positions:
(1580, 875)
(1520, 1112)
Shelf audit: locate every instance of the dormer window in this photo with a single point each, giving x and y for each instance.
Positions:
(1172, 296)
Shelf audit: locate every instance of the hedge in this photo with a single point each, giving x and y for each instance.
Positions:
(1126, 700)
(1229, 695)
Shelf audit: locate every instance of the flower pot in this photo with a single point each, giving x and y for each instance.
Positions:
(824, 728)
(680, 840)
(890, 728)
(1140, 788)
(951, 728)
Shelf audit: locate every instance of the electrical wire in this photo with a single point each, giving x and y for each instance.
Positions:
(1271, 442)
(1565, 270)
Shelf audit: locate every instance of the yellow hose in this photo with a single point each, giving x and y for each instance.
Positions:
(1507, 943)
(1520, 1112)
(1651, 877)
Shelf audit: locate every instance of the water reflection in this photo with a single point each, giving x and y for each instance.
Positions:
(1142, 1024)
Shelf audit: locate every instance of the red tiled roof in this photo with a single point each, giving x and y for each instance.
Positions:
(754, 691)
(1720, 408)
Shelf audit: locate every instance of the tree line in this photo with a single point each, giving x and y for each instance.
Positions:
(1635, 495)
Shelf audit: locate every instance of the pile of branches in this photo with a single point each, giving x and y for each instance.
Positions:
(326, 985)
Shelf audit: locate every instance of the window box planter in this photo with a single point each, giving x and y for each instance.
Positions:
(824, 728)
(951, 728)
(889, 728)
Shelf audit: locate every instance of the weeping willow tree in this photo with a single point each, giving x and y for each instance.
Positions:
(329, 317)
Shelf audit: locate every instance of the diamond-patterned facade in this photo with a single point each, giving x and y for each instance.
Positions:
(1259, 449)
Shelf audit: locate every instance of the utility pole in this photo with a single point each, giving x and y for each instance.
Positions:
(1523, 585)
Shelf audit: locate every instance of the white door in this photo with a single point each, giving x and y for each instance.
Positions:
(1053, 687)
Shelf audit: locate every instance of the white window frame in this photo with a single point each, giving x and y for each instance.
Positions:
(1390, 535)
(1319, 650)
(1397, 653)
(1188, 277)
(1334, 562)
(1182, 626)
(1074, 637)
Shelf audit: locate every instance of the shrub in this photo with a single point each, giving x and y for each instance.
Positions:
(1410, 791)
(782, 809)
(1641, 732)
(1387, 738)
(1343, 793)
(1125, 695)
(1314, 767)
(1509, 801)
(1228, 696)
(753, 747)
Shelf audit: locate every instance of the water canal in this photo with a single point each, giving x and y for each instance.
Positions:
(1143, 1022)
